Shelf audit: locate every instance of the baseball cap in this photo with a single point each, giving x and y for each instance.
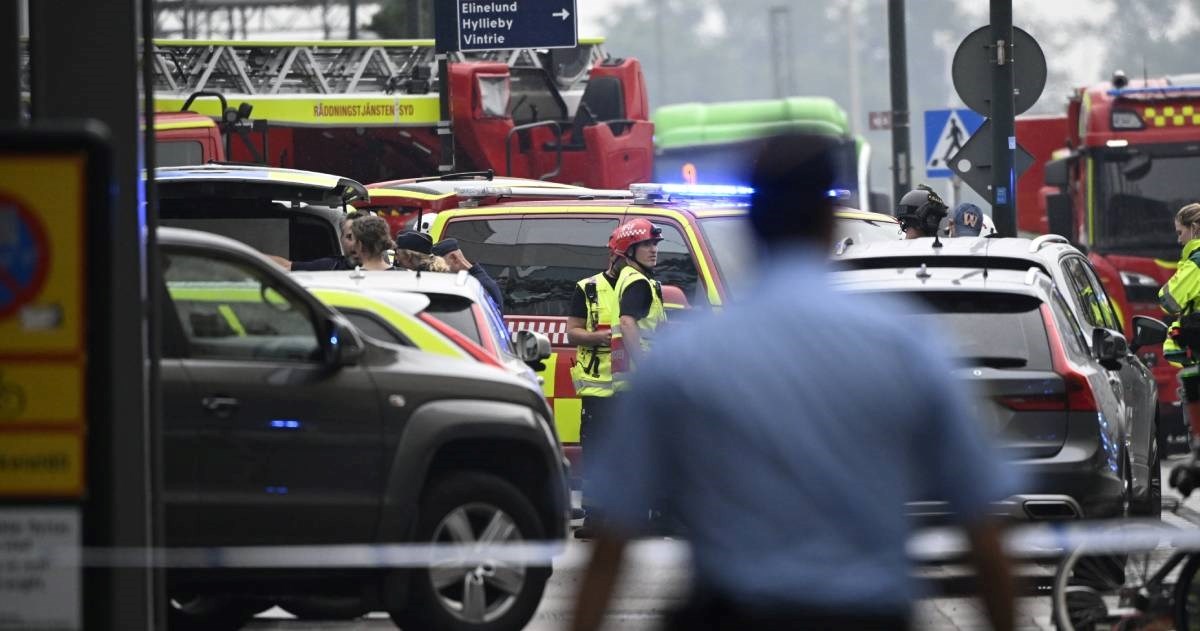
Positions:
(968, 220)
(415, 241)
(445, 246)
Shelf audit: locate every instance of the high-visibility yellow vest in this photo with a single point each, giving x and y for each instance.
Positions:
(592, 371)
(1180, 296)
(621, 364)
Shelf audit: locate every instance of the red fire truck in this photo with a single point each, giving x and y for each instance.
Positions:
(369, 109)
(1127, 164)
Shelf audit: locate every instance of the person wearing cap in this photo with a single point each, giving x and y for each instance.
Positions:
(414, 251)
(920, 212)
(966, 221)
(449, 251)
(639, 296)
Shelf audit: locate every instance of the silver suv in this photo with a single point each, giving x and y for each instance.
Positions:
(1068, 398)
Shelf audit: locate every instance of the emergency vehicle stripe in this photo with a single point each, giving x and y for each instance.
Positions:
(555, 329)
(548, 375)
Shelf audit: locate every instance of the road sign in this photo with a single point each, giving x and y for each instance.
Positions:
(974, 163)
(509, 24)
(946, 131)
(880, 120)
(972, 70)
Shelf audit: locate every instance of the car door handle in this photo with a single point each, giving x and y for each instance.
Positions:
(223, 407)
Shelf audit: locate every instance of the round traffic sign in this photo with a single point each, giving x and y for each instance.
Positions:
(24, 256)
(973, 63)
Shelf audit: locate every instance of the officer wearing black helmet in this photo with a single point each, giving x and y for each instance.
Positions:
(920, 212)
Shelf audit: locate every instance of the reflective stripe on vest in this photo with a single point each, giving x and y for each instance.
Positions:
(592, 370)
(646, 326)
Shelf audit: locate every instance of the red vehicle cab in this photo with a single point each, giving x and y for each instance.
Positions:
(1132, 149)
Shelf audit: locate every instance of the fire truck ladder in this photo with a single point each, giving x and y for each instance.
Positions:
(332, 67)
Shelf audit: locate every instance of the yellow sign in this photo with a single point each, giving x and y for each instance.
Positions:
(350, 110)
(41, 250)
(41, 393)
(44, 464)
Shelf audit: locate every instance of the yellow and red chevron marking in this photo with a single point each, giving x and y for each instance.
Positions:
(1172, 116)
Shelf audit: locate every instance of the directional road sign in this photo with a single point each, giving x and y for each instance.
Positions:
(974, 163)
(946, 131)
(508, 24)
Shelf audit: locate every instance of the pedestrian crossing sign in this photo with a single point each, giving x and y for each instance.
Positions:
(946, 131)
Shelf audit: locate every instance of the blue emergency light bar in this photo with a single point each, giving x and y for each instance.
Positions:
(1168, 89)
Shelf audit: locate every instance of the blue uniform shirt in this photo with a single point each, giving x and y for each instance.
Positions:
(786, 433)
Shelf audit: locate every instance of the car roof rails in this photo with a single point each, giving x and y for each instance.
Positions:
(1037, 243)
(489, 175)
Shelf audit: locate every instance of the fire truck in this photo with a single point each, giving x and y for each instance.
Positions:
(1127, 163)
(369, 109)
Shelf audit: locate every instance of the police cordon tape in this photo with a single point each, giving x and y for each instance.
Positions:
(929, 545)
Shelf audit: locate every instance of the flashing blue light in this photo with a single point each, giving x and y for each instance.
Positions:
(707, 190)
(277, 490)
(838, 193)
(285, 423)
(333, 340)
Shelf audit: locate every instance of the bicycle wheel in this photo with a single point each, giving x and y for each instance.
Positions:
(1187, 596)
(1095, 591)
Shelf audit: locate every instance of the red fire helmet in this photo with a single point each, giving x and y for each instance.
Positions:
(632, 233)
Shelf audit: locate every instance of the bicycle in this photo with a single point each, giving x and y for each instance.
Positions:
(1139, 590)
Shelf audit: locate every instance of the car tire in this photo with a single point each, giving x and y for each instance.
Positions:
(210, 613)
(325, 607)
(460, 508)
(1150, 505)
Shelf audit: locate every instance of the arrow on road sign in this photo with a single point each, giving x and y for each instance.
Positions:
(564, 14)
(974, 163)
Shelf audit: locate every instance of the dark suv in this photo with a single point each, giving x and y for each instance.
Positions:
(1050, 392)
(283, 426)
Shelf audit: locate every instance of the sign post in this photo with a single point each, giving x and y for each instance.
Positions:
(998, 71)
(477, 25)
(52, 186)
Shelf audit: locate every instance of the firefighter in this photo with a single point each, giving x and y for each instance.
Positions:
(589, 327)
(920, 212)
(639, 296)
(1180, 297)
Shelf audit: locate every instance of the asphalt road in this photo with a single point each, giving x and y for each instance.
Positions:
(652, 587)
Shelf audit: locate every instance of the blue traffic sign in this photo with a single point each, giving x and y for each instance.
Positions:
(508, 24)
(946, 131)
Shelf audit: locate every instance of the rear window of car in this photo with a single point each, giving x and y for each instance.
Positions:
(988, 329)
(455, 311)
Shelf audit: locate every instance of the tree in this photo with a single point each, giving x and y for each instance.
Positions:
(404, 19)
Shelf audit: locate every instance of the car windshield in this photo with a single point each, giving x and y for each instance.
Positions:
(1138, 196)
(732, 248)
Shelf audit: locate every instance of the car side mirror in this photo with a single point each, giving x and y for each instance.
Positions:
(532, 347)
(673, 298)
(1058, 172)
(341, 344)
(1109, 347)
(1147, 332)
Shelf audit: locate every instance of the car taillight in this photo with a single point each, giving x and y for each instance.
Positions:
(1080, 397)
(1034, 403)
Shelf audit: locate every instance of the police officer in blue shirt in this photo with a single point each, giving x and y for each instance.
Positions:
(788, 458)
